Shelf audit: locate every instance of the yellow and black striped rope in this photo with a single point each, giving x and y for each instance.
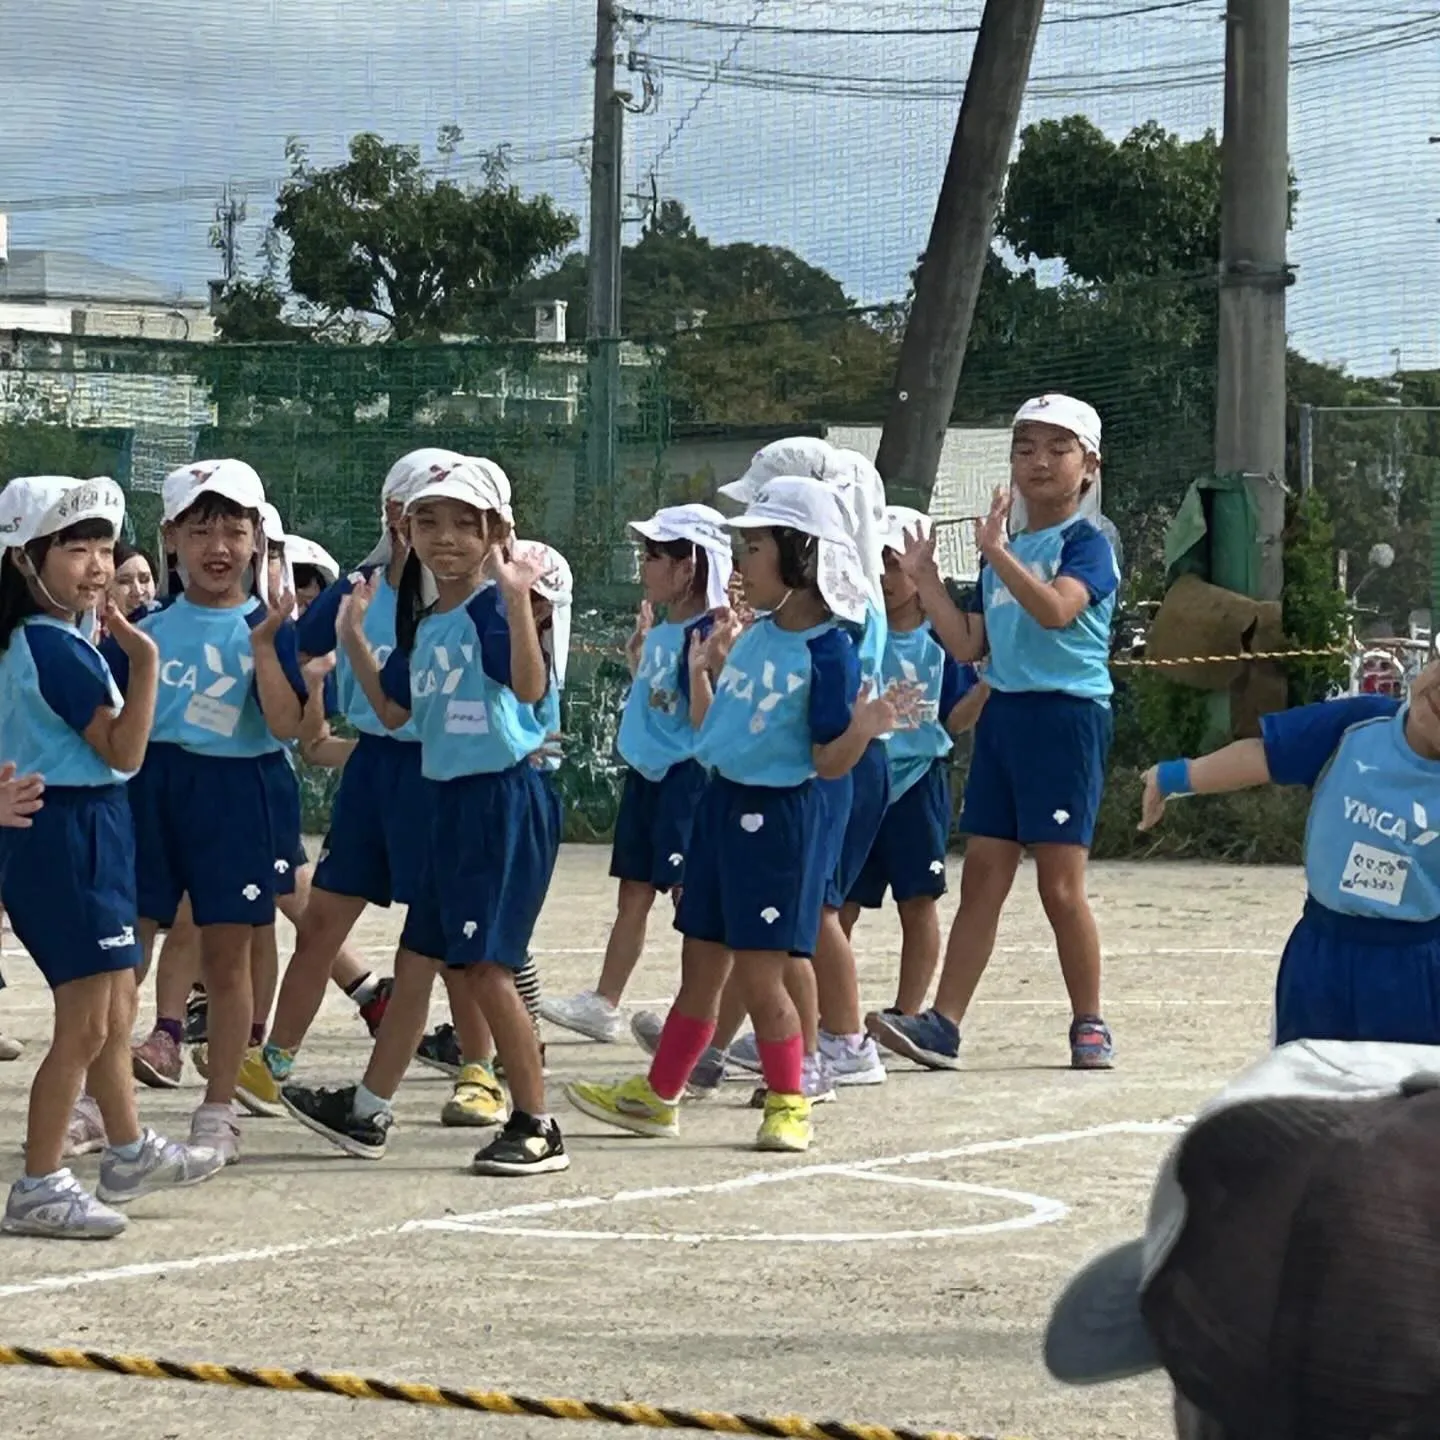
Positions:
(488, 1402)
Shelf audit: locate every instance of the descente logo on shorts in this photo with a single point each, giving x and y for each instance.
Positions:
(122, 941)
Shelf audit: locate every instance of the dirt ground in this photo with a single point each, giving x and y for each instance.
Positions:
(901, 1272)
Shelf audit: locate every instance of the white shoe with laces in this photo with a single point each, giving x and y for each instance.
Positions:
(215, 1127)
(161, 1165)
(852, 1059)
(587, 1014)
(58, 1207)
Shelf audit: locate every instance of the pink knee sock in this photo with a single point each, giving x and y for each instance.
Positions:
(782, 1063)
(682, 1043)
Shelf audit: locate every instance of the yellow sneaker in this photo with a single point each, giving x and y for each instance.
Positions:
(478, 1099)
(256, 1088)
(631, 1105)
(786, 1125)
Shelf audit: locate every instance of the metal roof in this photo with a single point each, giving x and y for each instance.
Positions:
(50, 275)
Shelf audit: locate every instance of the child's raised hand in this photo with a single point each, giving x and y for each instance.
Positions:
(1152, 805)
(132, 641)
(721, 640)
(514, 574)
(991, 533)
(19, 797)
(636, 643)
(878, 713)
(316, 669)
(353, 607)
(278, 610)
(916, 557)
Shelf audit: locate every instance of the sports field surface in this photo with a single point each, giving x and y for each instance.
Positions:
(900, 1272)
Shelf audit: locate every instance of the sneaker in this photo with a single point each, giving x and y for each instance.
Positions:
(526, 1146)
(197, 1017)
(256, 1088)
(156, 1061)
(59, 1208)
(586, 1014)
(852, 1060)
(330, 1113)
(786, 1125)
(817, 1084)
(215, 1127)
(707, 1076)
(161, 1165)
(645, 1026)
(440, 1050)
(631, 1105)
(10, 1049)
(745, 1053)
(86, 1132)
(929, 1039)
(372, 1012)
(478, 1099)
(1092, 1047)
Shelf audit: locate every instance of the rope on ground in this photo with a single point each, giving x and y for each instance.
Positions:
(490, 1402)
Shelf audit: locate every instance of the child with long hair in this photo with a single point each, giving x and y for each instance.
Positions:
(785, 710)
(685, 573)
(470, 670)
(68, 878)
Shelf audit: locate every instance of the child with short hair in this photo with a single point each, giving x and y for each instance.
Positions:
(786, 709)
(1363, 961)
(67, 872)
(1042, 611)
(685, 572)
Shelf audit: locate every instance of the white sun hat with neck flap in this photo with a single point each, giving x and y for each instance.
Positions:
(34, 506)
(1083, 422)
(800, 455)
(557, 585)
(232, 480)
(704, 528)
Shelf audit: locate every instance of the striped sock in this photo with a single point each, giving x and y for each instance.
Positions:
(527, 982)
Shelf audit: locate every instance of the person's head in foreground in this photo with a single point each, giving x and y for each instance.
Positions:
(1288, 1280)
(1054, 460)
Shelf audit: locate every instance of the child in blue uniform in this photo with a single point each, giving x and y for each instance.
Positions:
(908, 855)
(784, 712)
(1042, 610)
(68, 880)
(230, 694)
(1363, 963)
(686, 573)
(469, 668)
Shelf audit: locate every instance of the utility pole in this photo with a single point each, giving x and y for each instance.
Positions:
(229, 216)
(1254, 274)
(933, 350)
(602, 307)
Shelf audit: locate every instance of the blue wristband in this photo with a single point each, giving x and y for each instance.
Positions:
(1173, 778)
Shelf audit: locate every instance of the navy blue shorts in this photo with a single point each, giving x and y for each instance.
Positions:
(204, 827)
(652, 830)
(69, 884)
(1037, 771)
(492, 848)
(757, 867)
(1343, 977)
(282, 785)
(908, 856)
(378, 825)
(857, 802)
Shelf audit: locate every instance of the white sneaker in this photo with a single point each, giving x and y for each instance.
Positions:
(586, 1014)
(852, 1059)
(161, 1165)
(215, 1127)
(59, 1208)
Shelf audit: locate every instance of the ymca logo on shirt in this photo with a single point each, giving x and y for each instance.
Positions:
(1390, 825)
(208, 707)
(1376, 873)
(741, 686)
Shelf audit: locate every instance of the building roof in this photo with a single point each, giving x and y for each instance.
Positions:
(50, 275)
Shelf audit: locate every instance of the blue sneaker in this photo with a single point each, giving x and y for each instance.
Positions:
(929, 1039)
(1092, 1047)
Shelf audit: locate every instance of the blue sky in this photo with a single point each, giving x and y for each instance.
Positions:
(830, 144)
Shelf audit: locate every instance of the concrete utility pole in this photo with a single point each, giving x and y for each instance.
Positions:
(946, 289)
(1255, 202)
(602, 307)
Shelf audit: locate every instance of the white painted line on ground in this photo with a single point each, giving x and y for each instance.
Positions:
(82, 1278)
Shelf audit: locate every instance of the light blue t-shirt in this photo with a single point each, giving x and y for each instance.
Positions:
(1371, 838)
(456, 684)
(917, 657)
(781, 693)
(1024, 655)
(316, 635)
(52, 681)
(655, 729)
(207, 702)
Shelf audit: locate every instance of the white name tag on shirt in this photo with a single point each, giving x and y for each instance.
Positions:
(1374, 874)
(467, 717)
(205, 712)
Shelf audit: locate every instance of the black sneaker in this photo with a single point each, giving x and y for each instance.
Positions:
(440, 1050)
(331, 1113)
(372, 1012)
(197, 1016)
(523, 1147)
